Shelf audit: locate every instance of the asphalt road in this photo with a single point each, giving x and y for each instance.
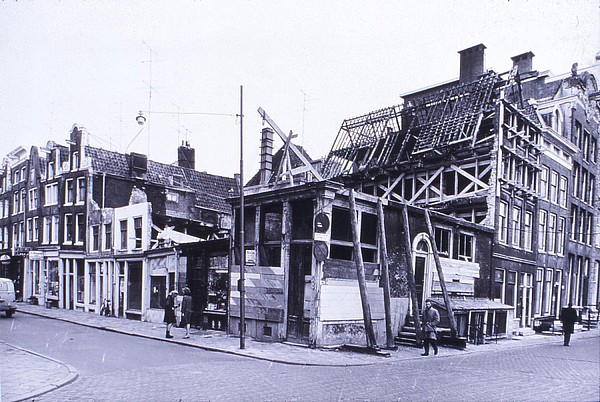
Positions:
(120, 367)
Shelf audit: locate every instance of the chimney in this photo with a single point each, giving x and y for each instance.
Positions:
(524, 62)
(186, 156)
(471, 63)
(266, 155)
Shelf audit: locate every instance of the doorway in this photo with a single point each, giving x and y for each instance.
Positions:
(298, 325)
(421, 269)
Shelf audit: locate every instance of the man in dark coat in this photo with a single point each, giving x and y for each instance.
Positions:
(431, 318)
(568, 316)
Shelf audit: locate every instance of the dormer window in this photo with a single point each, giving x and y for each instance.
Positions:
(51, 170)
(177, 180)
(557, 121)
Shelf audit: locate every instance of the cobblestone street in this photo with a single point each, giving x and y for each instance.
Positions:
(115, 366)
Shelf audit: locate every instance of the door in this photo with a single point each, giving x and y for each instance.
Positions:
(298, 325)
(420, 279)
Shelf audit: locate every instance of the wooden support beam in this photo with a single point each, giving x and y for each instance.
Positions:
(411, 277)
(440, 271)
(360, 271)
(385, 276)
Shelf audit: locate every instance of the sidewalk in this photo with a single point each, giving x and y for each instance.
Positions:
(277, 352)
(43, 374)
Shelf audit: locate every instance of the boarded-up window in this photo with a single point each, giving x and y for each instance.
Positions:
(302, 219)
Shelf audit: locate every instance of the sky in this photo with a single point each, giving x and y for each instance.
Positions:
(308, 64)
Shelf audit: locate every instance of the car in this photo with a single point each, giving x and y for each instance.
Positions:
(7, 297)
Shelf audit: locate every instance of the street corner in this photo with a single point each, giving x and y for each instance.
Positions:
(27, 374)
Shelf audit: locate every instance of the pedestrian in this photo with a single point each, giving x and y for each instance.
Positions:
(568, 316)
(431, 318)
(186, 311)
(170, 306)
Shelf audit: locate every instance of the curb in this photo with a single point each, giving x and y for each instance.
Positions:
(300, 363)
(69, 378)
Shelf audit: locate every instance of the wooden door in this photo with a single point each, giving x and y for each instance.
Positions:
(300, 265)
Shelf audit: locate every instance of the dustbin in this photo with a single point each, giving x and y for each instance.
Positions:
(48, 303)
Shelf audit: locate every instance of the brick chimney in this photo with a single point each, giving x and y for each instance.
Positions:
(472, 63)
(524, 62)
(186, 156)
(266, 155)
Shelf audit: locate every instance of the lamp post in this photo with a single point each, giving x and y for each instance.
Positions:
(241, 287)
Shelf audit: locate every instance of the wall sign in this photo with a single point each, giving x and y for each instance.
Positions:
(321, 223)
(320, 250)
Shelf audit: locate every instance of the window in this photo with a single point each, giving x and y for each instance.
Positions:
(560, 236)
(16, 202)
(69, 192)
(368, 236)
(51, 170)
(137, 225)
(499, 285)
(80, 270)
(528, 231)
(544, 182)
(516, 227)
(593, 151)
(68, 228)
(55, 226)
(80, 228)
(36, 229)
(442, 241)
(465, 247)
(542, 230)
(29, 229)
(575, 179)
(123, 229)
(503, 222)
(173, 197)
(22, 233)
(95, 237)
(47, 230)
(80, 190)
(33, 199)
(51, 196)
(17, 176)
(562, 198)
(107, 236)
(75, 165)
(1, 208)
(23, 173)
(22, 206)
(341, 235)
(548, 290)
(511, 282)
(554, 186)
(552, 232)
(538, 290)
(574, 222)
(15, 235)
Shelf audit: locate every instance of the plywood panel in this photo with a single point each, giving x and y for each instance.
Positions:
(264, 293)
(341, 301)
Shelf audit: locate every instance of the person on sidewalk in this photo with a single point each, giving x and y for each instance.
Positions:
(568, 316)
(170, 306)
(431, 318)
(186, 311)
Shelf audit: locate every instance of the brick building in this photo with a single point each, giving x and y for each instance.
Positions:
(100, 231)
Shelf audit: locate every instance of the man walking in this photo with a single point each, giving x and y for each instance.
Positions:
(431, 318)
(568, 316)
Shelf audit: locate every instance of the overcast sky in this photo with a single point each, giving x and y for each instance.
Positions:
(309, 64)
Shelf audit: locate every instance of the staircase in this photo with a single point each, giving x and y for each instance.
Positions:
(408, 334)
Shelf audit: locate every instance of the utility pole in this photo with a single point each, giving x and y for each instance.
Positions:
(242, 253)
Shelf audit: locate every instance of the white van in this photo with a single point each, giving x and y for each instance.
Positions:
(7, 297)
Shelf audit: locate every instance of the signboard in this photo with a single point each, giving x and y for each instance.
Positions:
(250, 257)
(320, 250)
(36, 255)
(321, 223)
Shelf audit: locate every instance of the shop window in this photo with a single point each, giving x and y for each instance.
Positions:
(217, 283)
(158, 291)
(92, 276)
(271, 235)
(302, 219)
(53, 278)
(134, 285)
(341, 235)
(442, 241)
(80, 269)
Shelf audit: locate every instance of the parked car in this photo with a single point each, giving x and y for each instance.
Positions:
(7, 297)
(547, 323)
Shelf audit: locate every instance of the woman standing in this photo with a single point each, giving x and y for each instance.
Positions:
(170, 312)
(186, 311)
